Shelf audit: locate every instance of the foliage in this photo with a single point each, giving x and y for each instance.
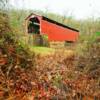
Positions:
(23, 77)
(46, 80)
(89, 61)
(45, 41)
(97, 33)
(3, 5)
(4, 23)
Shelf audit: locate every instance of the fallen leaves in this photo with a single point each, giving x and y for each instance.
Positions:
(25, 77)
(3, 61)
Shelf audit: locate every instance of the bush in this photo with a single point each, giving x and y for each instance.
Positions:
(4, 23)
(45, 41)
(89, 62)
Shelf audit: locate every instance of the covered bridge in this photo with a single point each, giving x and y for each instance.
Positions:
(37, 24)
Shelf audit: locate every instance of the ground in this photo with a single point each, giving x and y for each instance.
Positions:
(42, 50)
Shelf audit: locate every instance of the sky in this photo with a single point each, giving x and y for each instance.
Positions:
(80, 9)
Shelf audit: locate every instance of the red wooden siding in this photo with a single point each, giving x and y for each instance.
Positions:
(54, 30)
(58, 33)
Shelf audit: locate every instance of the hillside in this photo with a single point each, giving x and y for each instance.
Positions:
(24, 76)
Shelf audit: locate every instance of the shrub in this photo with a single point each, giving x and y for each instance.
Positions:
(89, 62)
(4, 23)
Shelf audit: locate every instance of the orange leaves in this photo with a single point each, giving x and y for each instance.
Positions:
(53, 76)
(1, 93)
(11, 49)
(3, 61)
(3, 58)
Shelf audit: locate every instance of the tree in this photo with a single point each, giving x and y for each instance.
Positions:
(4, 19)
(4, 4)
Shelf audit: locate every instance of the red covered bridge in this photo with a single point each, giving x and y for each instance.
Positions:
(55, 31)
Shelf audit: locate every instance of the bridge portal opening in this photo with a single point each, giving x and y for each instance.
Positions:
(34, 26)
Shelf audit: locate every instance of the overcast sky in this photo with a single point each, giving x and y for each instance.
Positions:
(80, 9)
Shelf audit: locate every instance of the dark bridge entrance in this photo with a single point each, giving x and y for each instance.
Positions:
(34, 26)
(34, 31)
